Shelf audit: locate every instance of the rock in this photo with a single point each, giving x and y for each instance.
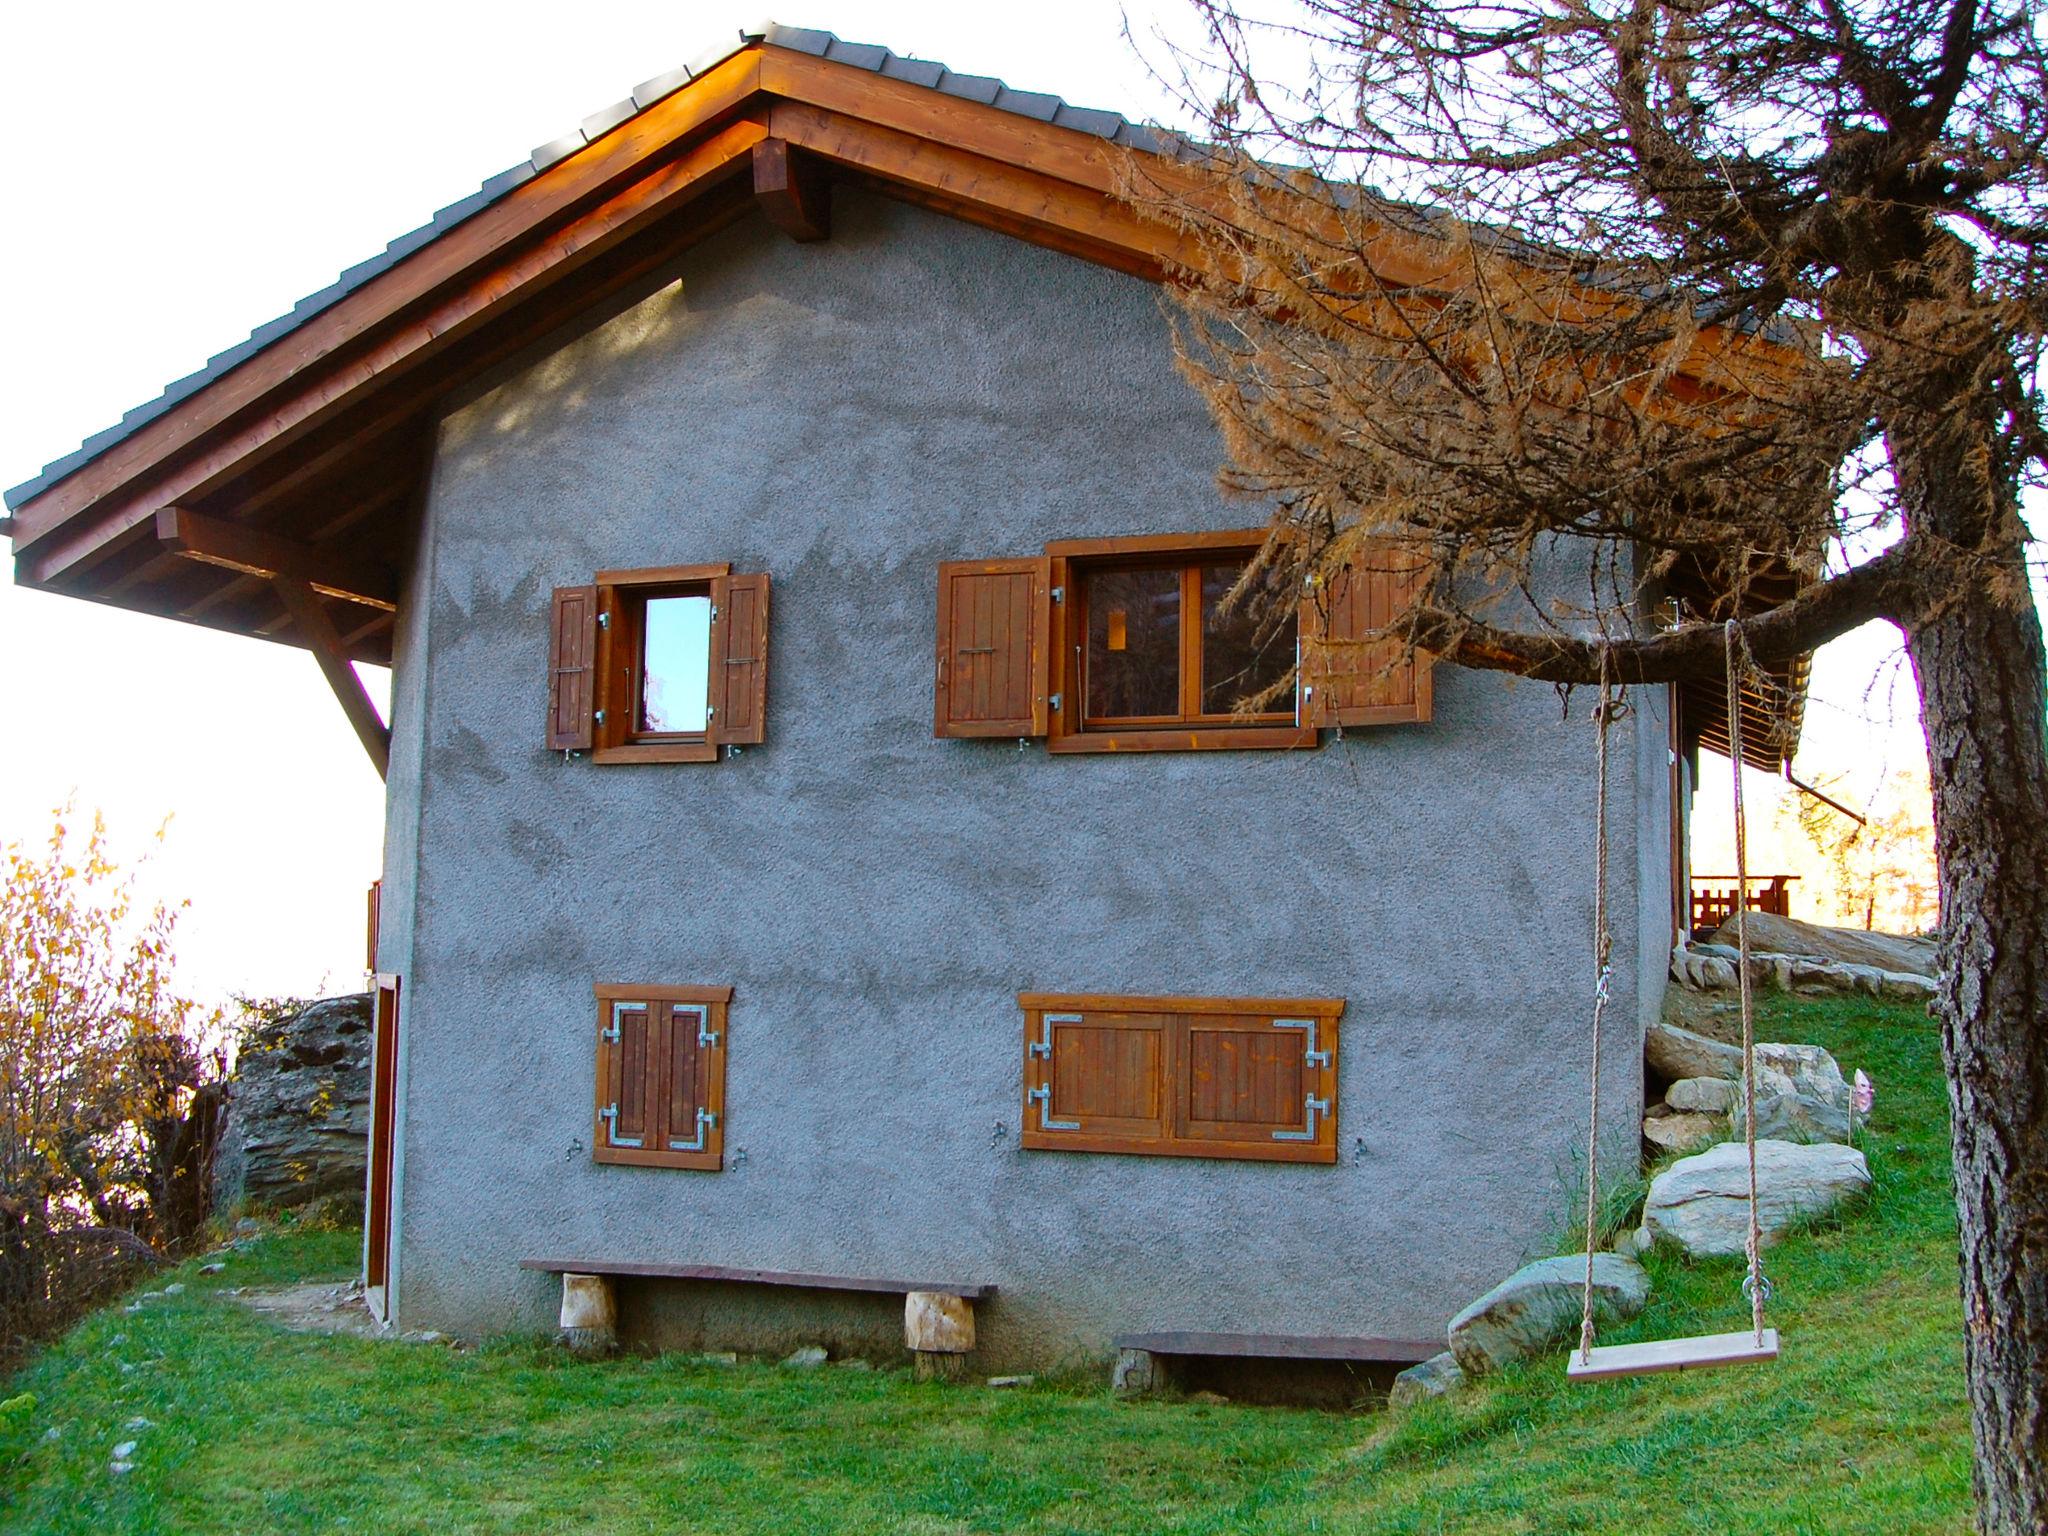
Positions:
(1538, 1306)
(211, 1269)
(117, 1339)
(1137, 1371)
(298, 1125)
(1213, 1399)
(1701, 1203)
(424, 1336)
(1800, 1095)
(1676, 1133)
(175, 1288)
(1906, 987)
(52, 1435)
(248, 1226)
(124, 1450)
(120, 1468)
(1011, 1381)
(1678, 1053)
(1703, 1095)
(1851, 946)
(807, 1358)
(718, 1357)
(138, 1422)
(1433, 1378)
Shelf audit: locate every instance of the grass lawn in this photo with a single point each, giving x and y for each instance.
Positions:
(1861, 1427)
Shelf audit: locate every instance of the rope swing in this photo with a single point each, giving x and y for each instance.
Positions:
(1587, 1362)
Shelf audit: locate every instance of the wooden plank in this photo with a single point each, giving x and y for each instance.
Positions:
(330, 572)
(1278, 1007)
(722, 1273)
(1284, 1346)
(792, 190)
(317, 632)
(1693, 1354)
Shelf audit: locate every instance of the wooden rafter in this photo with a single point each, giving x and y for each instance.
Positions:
(330, 650)
(332, 573)
(792, 190)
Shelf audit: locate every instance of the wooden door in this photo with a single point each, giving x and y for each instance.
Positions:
(383, 1147)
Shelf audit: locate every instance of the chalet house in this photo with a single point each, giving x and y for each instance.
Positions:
(822, 861)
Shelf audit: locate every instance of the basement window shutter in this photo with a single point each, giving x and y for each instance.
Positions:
(1182, 1077)
(661, 1076)
(1352, 680)
(739, 659)
(994, 650)
(572, 668)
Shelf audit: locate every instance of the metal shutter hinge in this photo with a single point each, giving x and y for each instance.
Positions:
(610, 1114)
(1309, 1053)
(1042, 1046)
(1042, 1096)
(1313, 1106)
(706, 1120)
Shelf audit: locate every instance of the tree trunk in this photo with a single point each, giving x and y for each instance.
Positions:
(1979, 662)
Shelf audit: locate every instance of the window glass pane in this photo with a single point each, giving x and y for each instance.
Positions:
(675, 664)
(1248, 649)
(1133, 643)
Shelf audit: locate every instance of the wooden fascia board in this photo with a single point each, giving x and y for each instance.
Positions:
(454, 259)
(253, 552)
(426, 333)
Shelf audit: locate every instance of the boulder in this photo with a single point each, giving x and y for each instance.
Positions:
(298, 1121)
(1675, 1053)
(1701, 1203)
(1800, 1095)
(1851, 946)
(1703, 1095)
(1538, 1306)
(1433, 1378)
(1680, 1133)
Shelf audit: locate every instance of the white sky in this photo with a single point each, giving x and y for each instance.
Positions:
(176, 176)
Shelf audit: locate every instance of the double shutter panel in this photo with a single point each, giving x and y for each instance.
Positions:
(572, 668)
(1347, 678)
(1182, 1077)
(739, 659)
(661, 1077)
(994, 658)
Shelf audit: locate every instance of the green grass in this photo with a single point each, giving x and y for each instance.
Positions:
(1860, 1427)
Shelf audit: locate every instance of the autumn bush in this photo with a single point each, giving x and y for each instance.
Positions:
(111, 1089)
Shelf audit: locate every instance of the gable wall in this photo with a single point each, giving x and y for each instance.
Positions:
(845, 416)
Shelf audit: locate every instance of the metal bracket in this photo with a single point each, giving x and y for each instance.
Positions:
(1309, 1053)
(705, 1034)
(610, 1115)
(1059, 594)
(604, 621)
(1056, 703)
(1042, 1046)
(598, 717)
(706, 1120)
(1042, 1096)
(610, 1033)
(1313, 1106)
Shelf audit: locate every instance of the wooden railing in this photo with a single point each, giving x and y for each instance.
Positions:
(1713, 899)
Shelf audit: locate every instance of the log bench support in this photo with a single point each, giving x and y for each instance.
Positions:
(938, 1330)
(590, 1315)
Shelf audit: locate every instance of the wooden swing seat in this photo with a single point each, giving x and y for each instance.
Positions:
(1693, 1354)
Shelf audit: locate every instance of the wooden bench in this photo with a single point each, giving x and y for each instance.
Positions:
(1144, 1361)
(938, 1316)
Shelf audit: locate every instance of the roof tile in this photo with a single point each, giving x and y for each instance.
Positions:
(648, 92)
(868, 56)
(800, 39)
(557, 149)
(922, 72)
(1028, 103)
(981, 88)
(1088, 120)
(599, 124)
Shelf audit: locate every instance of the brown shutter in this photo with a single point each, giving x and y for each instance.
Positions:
(1096, 1079)
(1257, 1086)
(739, 659)
(572, 668)
(691, 1133)
(994, 655)
(626, 1074)
(1351, 680)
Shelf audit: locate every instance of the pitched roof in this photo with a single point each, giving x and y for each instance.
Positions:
(983, 89)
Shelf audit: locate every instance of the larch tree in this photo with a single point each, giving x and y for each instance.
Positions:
(1568, 308)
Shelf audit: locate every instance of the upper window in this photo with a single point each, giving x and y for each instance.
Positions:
(1150, 644)
(661, 665)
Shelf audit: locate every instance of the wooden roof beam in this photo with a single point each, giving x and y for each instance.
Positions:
(793, 190)
(330, 572)
(317, 630)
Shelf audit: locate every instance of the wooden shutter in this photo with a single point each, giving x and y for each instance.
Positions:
(661, 1076)
(383, 1148)
(1348, 679)
(1182, 1077)
(572, 668)
(994, 656)
(739, 658)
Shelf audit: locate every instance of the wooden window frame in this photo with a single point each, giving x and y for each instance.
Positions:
(713, 1002)
(1172, 1132)
(622, 598)
(1069, 730)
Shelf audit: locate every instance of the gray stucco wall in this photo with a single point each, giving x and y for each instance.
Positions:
(846, 415)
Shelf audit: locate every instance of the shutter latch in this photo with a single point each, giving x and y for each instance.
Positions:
(1311, 1106)
(1042, 1097)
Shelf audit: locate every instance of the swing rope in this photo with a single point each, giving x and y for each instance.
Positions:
(1756, 1285)
(1603, 951)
